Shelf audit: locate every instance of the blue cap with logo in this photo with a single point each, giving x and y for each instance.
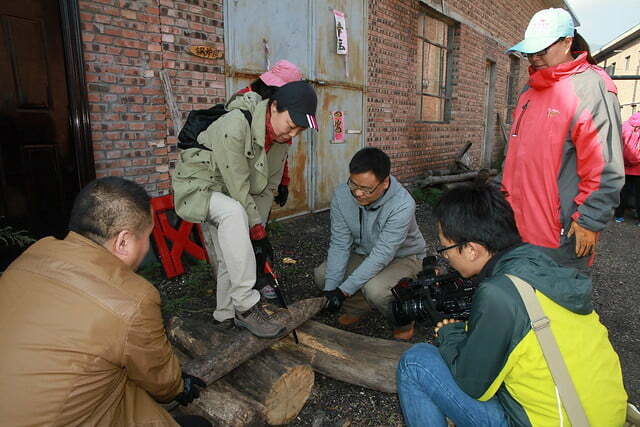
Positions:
(546, 26)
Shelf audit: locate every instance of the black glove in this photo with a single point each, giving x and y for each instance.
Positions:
(335, 298)
(263, 251)
(283, 195)
(190, 390)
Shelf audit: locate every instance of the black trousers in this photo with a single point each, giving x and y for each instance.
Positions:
(631, 188)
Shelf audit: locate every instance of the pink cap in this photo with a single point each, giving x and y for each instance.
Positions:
(281, 73)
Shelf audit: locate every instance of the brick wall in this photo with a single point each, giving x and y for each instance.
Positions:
(126, 45)
(391, 97)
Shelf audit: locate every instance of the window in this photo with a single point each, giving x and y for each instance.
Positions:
(627, 63)
(434, 41)
(512, 86)
(611, 69)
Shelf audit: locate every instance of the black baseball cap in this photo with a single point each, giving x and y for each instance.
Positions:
(300, 100)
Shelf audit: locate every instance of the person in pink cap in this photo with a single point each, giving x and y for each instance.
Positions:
(631, 153)
(280, 74)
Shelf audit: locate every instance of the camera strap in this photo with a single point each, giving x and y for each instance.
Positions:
(541, 325)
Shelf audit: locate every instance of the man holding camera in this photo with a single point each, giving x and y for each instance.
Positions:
(375, 241)
(490, 370)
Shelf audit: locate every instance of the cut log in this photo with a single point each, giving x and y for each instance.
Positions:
(222, 404)
(432, 180)
(353, 358)
(279, 382)
(227, 351)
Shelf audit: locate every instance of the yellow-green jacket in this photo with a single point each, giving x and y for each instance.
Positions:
(237, 166)
(496, 352)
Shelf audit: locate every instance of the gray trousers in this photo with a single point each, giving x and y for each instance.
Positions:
(565, 255)
(377, 291)
(236, 261)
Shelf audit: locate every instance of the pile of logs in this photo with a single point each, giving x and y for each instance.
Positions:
(253, 381)
(458, 172)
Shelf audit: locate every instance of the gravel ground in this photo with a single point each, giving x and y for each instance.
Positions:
(305, 239)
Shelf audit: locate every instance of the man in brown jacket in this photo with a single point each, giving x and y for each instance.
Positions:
(81, 334)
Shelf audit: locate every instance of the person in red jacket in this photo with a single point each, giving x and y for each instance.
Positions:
(563, 169)
(631, 153)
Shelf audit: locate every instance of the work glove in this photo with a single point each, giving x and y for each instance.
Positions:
(261, 246)
(335, 298)
(191, 389)
(585, 239)
(283, 195)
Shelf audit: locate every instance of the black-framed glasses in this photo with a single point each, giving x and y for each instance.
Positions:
(442, 250)
(365, 190)
(544, 51)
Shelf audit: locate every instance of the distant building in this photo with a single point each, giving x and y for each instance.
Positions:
(621, 57)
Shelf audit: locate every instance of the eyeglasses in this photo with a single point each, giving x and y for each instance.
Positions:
(442, 250)
(544, 51)
(365, 190)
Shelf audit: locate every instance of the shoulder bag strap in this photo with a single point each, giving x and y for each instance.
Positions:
(541, 326)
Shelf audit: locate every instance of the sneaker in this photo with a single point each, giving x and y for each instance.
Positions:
(619, 219)
(268, 292)
(258, 322)
(405, 332)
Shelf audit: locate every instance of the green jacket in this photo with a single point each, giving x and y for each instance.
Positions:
(237, 166)
(496, 352)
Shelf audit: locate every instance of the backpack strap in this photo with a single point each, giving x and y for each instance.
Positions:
(189, 140)
(541, 325)
(248, 116)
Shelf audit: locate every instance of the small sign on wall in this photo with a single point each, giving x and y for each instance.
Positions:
(342, 46)
(208, 52)
(337, 118)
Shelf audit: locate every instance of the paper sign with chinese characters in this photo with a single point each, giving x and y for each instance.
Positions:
(337, 118)
(341, 33)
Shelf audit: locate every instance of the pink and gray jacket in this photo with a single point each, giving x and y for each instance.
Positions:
(631, 138)
(564, 156)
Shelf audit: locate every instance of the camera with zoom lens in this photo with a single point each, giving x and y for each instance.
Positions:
(432, 296)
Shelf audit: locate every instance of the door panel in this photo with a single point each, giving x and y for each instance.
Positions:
(281, 25)
(303, 32)
(340, 88)
(39, 173)
(329, 65)
(332, 160)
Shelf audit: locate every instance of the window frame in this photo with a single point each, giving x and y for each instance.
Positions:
(513, 91)
(447, 63)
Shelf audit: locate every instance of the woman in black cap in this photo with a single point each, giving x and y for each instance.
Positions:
(233, 186)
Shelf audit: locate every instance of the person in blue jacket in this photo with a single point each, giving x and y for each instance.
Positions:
(375, 241)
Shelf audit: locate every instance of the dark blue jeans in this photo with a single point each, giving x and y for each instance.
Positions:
(428, 393)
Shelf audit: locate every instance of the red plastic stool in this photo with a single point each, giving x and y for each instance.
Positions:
(179, 237)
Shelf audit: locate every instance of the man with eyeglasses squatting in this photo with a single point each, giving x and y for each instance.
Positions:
(375, 242)
(563, 169)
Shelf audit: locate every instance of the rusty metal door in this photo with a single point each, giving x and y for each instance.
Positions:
(257, 34)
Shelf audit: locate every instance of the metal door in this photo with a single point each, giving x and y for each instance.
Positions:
(257, 34)
(341, 80)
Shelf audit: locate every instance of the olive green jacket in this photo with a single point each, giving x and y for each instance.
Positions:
(237, 166)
